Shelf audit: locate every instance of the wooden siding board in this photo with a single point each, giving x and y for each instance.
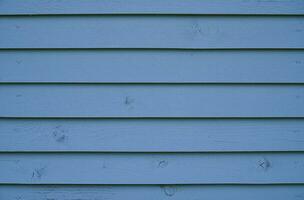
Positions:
(151, 135)
(152, 192)
(151, 168)
(15, 7)
(152, 66)
(190, 32)
(151, 100)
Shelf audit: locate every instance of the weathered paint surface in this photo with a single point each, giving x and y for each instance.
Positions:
(162, 192)
(166, 32)
(151, 100)
(151, 135)
(141, 99)
(232, 7)
(152, 168)
(151, 66)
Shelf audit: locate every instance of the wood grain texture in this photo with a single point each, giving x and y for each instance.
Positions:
(151, 168)
(152, 192)
(142, 99)
(190, 32)
(36, 7)
(151, 135)
(150, 100)
(152, 66)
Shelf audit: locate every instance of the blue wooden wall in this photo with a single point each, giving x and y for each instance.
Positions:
(151, 99)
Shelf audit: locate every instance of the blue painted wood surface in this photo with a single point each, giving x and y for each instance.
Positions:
(151, 135)
(141, 99)
(152, 168)
(152, 66)
(151, 100)
(152, 192)
(34, 7)
(146, 31)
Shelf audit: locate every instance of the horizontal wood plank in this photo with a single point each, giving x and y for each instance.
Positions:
(152, 66)
(151, 135)
(190, 32)
(36, 7)
(151, 168)
(152, 192)
(151, 100)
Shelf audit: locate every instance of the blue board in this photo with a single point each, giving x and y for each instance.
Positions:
(142, 99)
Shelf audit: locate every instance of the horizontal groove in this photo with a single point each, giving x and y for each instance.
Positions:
(152, 48)
(147, 152)
(104, 117)
(149, 14)
(180, 184)
(156, 83)
(161, 118)
(154, 118)
(159, 153)
(144, 83)
(215, 184)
